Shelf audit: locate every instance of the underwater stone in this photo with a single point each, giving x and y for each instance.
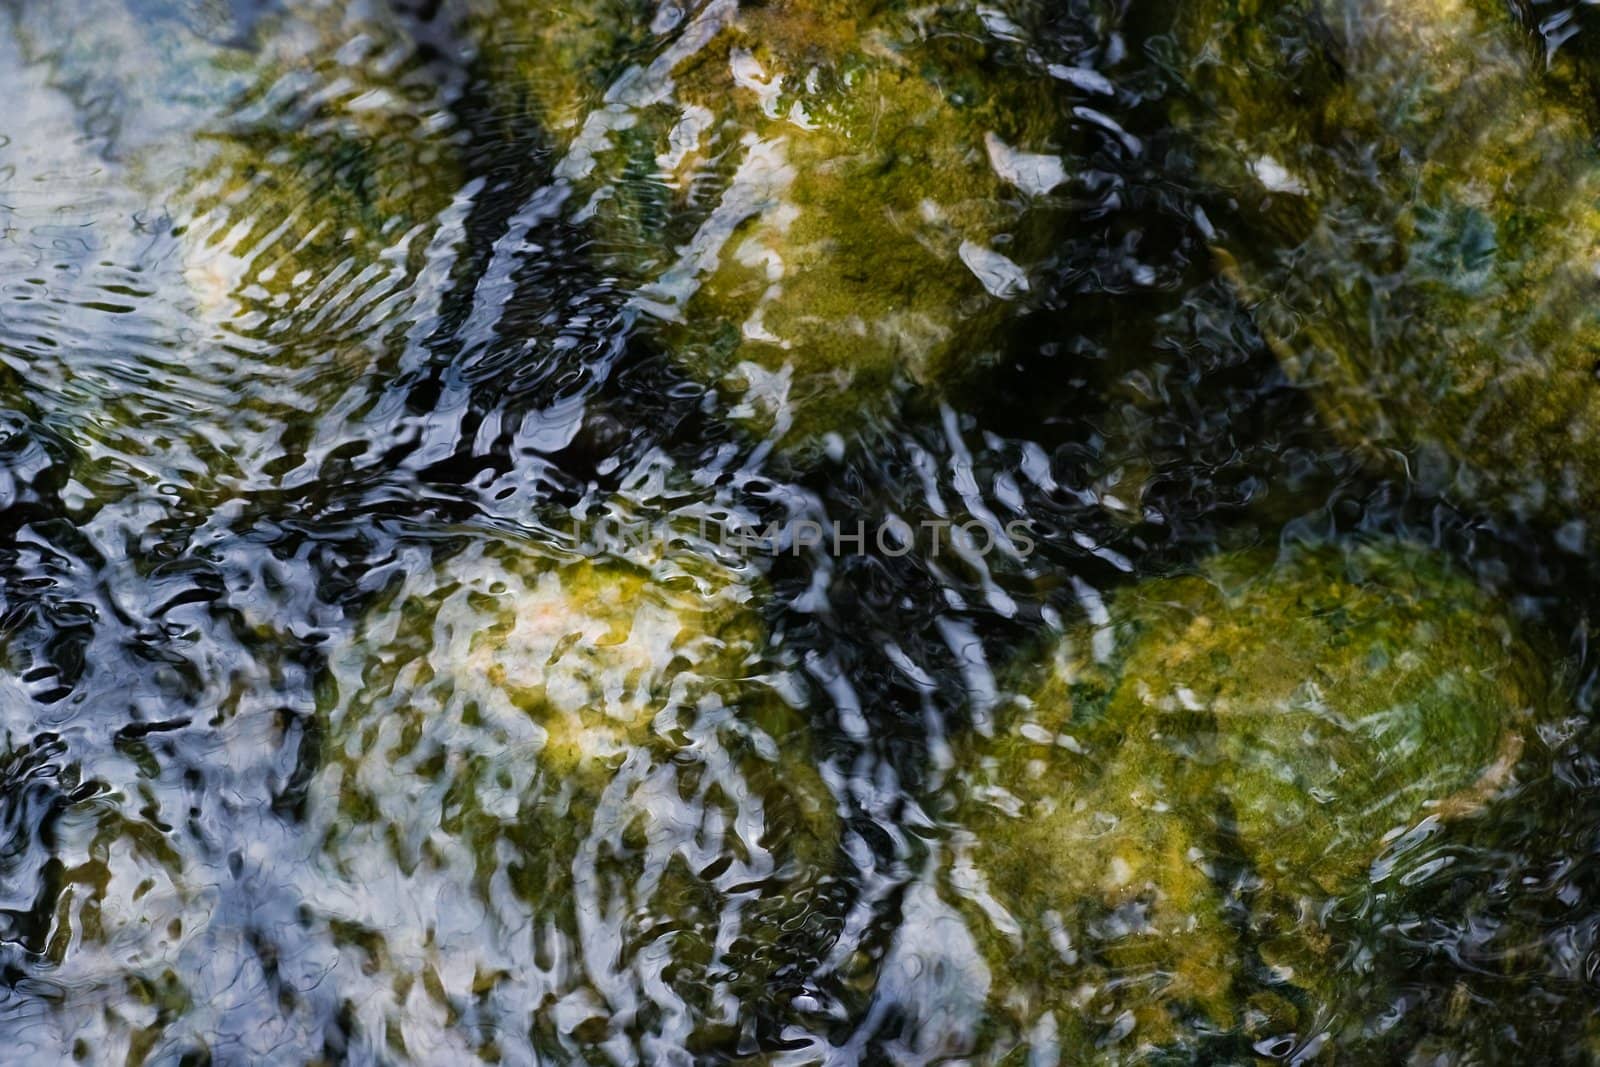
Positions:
(142, 75)
(1155, 843)
(1411, 207)
(583, 758)
(819, 203)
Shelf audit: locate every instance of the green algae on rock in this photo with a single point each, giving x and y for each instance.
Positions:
(1412, 208)
(819, 203)
(581, 754)
(1156, 843)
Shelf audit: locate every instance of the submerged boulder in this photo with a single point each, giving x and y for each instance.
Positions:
(1412, 207)
(818, 202)
(1162, 843)
(586, 761)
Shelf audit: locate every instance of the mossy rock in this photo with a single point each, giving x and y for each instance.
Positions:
(1168, 835)
(1412, 208)
(587, 755)
(820, 204)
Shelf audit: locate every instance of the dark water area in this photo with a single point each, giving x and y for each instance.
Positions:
(318, 376)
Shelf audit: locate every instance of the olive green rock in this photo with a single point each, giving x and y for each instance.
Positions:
(587, 757)
(819, 203)
(1157, 837)
(1413, 208)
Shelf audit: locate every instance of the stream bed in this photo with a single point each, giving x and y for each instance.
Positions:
(799, 532)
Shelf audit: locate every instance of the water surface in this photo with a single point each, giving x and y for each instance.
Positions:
(315, 359)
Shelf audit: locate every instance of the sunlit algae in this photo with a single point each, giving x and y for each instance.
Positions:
(819, 203)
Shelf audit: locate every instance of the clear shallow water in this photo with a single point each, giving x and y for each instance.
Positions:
(265, 797)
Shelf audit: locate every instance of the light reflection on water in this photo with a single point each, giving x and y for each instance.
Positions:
(317, 347)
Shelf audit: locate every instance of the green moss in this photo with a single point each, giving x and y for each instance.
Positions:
(1192, 790)
(586, 751)
(1412, 207)
(559, 58)
(806, 192)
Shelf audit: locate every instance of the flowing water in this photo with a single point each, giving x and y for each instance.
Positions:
(378, 680)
